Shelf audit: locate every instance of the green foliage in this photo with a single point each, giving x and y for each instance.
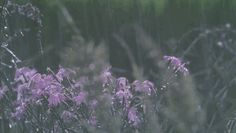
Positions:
(157, 5)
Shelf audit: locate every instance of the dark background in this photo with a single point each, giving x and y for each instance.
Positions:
(165, 21)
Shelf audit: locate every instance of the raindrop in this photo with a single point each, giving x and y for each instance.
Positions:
(22, 33)
(220, 44)
(199, 108)
(5, 27)
(228, 25)
(10, 126)
(207, 31)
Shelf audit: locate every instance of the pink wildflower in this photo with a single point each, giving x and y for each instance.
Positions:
(176, 64)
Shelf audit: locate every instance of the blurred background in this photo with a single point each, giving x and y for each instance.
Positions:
(173, 25)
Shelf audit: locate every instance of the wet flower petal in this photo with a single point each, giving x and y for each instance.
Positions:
(80, 98)
(176, 64)
(133, 116)
(122, 83)
(106, 76)
(55, 99)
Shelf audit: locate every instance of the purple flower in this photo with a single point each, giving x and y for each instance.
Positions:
(133, 117)
(54, 87)
(123, 94)
(55, 99)
(63, 73)
(67, 116)
(176, 64)
(40, 83)
(80, 98)
(37, 82)
(22, 91)
(92, 120)
(173, 60)
(146, 86)
(137, 86)
(24, 74)
(122, 83)
(106, 76)
(184, 70)
(19, 111)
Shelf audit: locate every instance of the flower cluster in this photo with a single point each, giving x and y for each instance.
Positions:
(32, 88)
(72, 100)
(125, 95)
(49, 91)
(176, 64)
(77, 100)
